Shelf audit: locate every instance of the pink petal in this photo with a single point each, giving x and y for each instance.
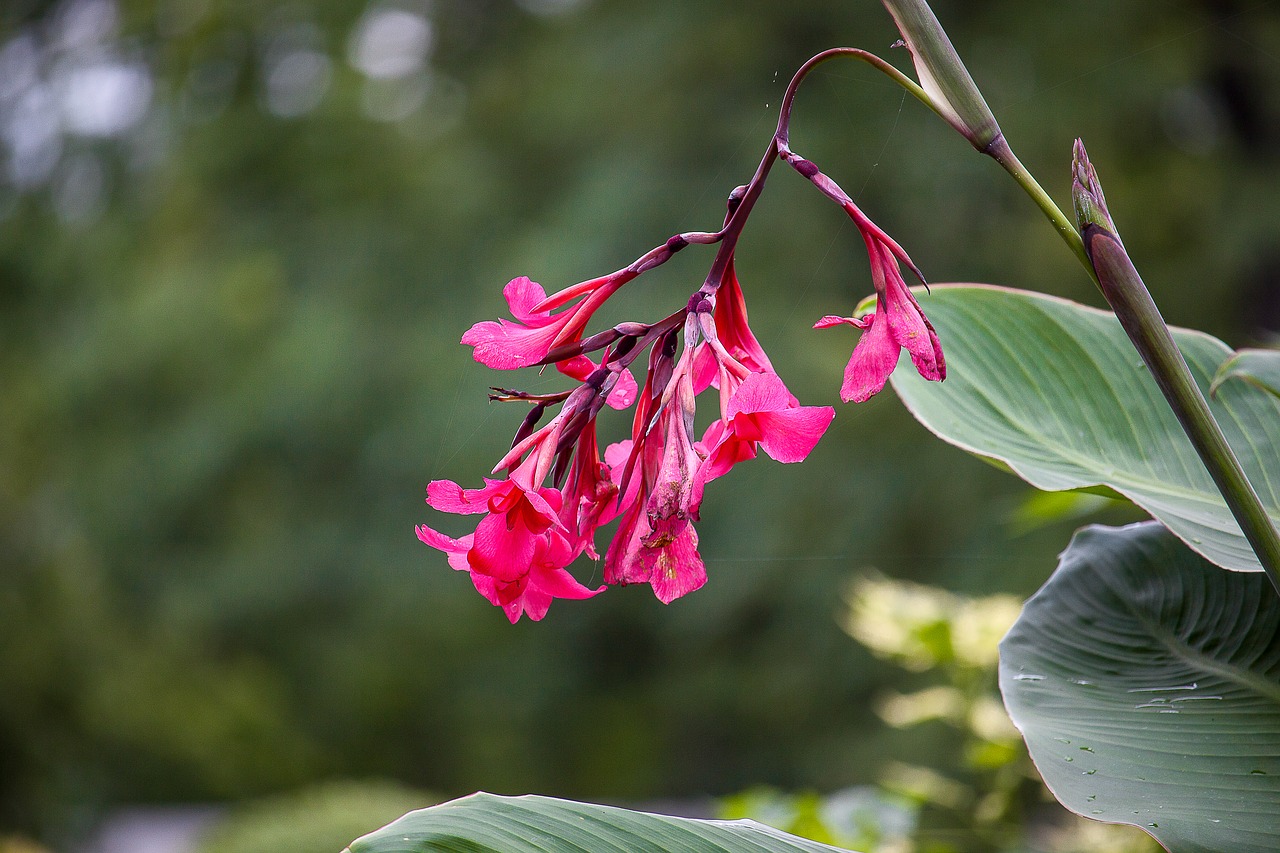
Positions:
(448, 496)
(523, 297)
(486, 586)
(624, 393)
(515, 598)
(759, 392)
(706, 368)
(712, 438)
(676, 568)
(622, 564)
(670, 497)
(455, 549)
(732, 327)
(872, 361)
(558, 583)
(509, 346)
(831, 320)
(532, 603)
(908, 328)
(579, 367)
(729, 449)
(879, 243)
(790, 435)
(546, 504)
(504, 552)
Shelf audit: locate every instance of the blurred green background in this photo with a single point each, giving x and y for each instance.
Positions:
(239, 242)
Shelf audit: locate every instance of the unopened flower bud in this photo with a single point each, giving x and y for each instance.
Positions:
(1086, 193)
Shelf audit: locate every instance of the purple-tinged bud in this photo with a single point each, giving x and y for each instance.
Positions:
(943, 77)
(806, 168)
(1086, 193)
(669, 343)
(572, 429)
(529, 423)
(662, 362)
(573, 349)
(624, 346)
(700, 303)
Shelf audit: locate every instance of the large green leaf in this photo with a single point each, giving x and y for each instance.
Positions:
(1146, 682)
(484, 823)
(1055, 391)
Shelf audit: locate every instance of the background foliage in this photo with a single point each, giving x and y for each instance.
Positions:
(239, 242)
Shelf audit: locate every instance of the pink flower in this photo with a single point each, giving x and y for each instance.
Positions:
(656, 542)
(504, 345)
(516, 517)
(897, 324)
(762, 413)
(518, 553)
(670, 564)
(590, 494)
(732, 328)
(529, 594)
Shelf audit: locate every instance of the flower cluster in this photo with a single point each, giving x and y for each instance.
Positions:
(555, 489)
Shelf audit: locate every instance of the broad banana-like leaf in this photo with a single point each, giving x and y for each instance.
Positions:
(1054, 391)
(484, 823)
(1146, 682)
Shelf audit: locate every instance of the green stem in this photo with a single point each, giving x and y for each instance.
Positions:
(1141, 319)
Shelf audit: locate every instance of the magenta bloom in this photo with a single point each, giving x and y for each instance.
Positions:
(557, 492)
(504, 345)
(897, 324)
(655, 542)
(762, 413)
(530, 593)
(669, 563)
(518, 553)
(516, 518)
(590, 494)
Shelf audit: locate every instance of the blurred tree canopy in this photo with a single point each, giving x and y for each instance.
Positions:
(238, 245)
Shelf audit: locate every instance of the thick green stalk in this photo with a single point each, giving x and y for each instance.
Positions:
(1138, 314)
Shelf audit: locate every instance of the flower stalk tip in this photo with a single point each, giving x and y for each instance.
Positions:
(1086, 192)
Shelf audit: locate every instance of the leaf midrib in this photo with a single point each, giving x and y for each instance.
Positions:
(1182, 650)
